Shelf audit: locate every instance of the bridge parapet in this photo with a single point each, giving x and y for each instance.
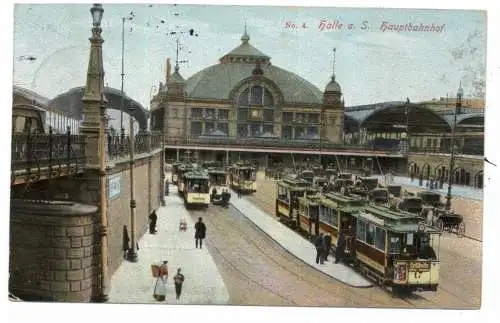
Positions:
(36, 156)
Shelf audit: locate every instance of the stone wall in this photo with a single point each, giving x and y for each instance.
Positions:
(52, 256)
(147, 197)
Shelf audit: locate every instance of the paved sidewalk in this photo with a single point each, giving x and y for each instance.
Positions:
(203, 285)
(456, 190)
(295, 244)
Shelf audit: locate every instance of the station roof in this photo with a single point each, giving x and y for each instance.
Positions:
(71, 102)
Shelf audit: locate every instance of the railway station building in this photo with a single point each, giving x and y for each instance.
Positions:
(246, 108)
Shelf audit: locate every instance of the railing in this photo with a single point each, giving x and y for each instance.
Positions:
(143, 142)
(35, 156)
(38, 156)
(465, 150)
(275, 143)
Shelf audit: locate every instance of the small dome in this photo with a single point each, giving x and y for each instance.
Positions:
(333, 86)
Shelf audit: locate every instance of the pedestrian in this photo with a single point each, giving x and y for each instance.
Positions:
(200, 231)
(166, 187)
(152, 222)
(178, 280)
(125, 242)
(318, 243)
(339, 249)
(328, 245)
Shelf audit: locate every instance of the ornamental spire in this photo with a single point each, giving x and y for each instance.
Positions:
(245, 38)
(333, 67)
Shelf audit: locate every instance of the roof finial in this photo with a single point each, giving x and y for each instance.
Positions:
(334, 52)
(177, 55)
(245, 38)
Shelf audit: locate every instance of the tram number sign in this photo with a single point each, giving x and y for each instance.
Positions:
(419, 266)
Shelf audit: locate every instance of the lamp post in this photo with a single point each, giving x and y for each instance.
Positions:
(460, 94)
(122, 129)
(94, 119)
(132, 252)
(321, 130)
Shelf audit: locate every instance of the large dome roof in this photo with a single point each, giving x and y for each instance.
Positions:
(216, 82)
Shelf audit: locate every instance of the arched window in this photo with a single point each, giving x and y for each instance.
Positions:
(255, 112)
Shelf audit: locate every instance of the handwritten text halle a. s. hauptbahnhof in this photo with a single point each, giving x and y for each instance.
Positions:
(384, 26)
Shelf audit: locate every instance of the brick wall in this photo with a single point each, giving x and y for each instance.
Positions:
(52, 250)
(146, 173)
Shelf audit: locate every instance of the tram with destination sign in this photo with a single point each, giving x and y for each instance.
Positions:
(242, 177)
(288, 191)
(397, 249)
(196, 188)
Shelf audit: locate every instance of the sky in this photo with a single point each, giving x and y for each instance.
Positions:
(371, 65)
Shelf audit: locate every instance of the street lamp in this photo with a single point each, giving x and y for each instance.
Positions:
(321, 130)
(132, 252)
(460, 94)
(122, 75)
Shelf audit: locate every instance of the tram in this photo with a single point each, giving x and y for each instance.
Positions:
(175, 173)
(183, 169)
(288, 192)
(333, 209)
(218, 181)
(308, 214)
(396, 249)
(196, 189)
(242, 177)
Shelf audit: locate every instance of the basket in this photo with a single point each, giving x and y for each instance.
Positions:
(155, 270)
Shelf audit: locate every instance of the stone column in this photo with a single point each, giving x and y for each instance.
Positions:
(94, 178)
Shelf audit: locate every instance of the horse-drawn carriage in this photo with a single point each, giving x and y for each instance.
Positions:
(441, 218)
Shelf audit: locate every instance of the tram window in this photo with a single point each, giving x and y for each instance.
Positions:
(361, 231)
(409, 239)
(380, 238)
(370, 234)
(323, 213)
(395, 245)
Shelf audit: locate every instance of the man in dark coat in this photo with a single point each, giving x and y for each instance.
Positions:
(152, 222)
(339, 250)
(200, 231)
(319, 244)
(178, 281)
(328, 245)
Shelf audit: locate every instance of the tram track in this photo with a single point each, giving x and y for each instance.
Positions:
(351, 295)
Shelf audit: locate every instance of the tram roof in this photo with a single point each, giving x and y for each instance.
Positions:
(397, 221)
(196, 174)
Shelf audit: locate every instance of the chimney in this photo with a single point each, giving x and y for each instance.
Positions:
(169, 68)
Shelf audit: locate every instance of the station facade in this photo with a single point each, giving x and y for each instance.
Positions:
(246, 101)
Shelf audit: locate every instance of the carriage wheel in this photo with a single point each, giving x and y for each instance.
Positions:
(440, 225)
(461, 230)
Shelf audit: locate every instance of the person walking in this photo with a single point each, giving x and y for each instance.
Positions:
(200, 231)
(318, 243)
(328, 245)
(152, 222)
(178, 281)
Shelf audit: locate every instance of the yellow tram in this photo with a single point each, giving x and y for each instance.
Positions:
(196, 188)
(289, 190)
(242, 177)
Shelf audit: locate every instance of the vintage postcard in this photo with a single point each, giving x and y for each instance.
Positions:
(297, 156)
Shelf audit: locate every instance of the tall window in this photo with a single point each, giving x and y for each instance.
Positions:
(255, 112)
